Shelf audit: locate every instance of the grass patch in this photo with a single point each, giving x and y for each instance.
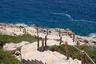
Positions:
(16, 39)
(7, 58)
(74, 53)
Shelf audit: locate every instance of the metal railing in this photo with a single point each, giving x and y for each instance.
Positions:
(85, 54)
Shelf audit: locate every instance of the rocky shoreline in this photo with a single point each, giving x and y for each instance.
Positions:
(10, 29)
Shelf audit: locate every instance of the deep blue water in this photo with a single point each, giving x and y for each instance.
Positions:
(77, 15)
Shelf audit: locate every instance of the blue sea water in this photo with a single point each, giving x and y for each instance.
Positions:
(77, 15)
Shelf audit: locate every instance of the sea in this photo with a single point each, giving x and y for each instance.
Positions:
(77, 15)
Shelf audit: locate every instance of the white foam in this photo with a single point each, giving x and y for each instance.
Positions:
(92, 35)
(21, 24)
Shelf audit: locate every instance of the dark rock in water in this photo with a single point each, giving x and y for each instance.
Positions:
(32, 62)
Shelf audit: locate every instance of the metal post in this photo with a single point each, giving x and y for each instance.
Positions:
(59, 33)
(37, 42)
(78, 44)
(37, 38)
(47, 32)
(82, 55)
(66, 50)
(42, 48)
(73, 37)
(37, 31)
(60, 40)
(46, 41)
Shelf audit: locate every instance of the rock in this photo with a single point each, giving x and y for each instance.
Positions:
(14, 46)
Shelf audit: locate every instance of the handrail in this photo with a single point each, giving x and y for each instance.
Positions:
(86, 54)
(77, 48)
(89, 58)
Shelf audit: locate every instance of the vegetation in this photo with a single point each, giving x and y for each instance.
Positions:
(74, 53)
(7, 58)
(15, 39)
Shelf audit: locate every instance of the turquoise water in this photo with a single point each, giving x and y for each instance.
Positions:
(77, 15)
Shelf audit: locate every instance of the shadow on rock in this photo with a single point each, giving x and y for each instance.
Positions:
(32, 62)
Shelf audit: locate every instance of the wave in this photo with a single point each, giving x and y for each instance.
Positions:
(72, 19)
(64, 14)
